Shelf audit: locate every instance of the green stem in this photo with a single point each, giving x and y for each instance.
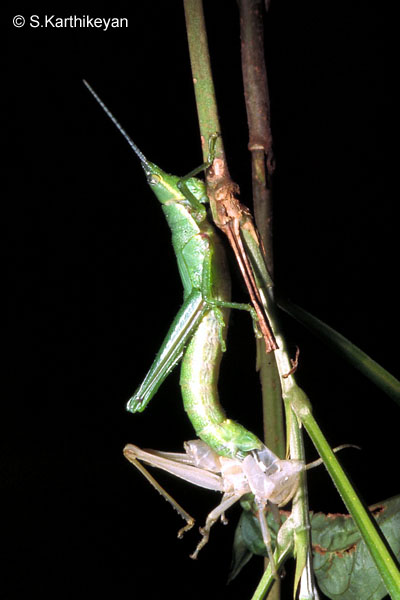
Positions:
(267, 579)
(274, 432)
(300, 513)
(202, 76)
(290, 393)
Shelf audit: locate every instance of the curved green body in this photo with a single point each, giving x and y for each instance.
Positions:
(198, 331)
(199, 384)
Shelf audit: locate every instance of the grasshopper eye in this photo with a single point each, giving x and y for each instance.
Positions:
(153, 179)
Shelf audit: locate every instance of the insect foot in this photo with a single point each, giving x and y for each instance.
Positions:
(184, 529)
(205, 532)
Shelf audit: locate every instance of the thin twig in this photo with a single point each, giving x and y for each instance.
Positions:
(258, 116)
(260, 145)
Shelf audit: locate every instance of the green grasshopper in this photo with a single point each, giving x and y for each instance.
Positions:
(227, 458)
(197, 334)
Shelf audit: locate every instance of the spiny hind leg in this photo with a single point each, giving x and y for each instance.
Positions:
(133, 453)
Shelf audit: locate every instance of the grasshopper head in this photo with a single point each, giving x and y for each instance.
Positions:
(163, 185)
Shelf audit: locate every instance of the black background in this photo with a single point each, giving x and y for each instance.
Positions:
(94, 283)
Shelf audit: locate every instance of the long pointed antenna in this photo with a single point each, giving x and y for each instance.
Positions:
(118, 126)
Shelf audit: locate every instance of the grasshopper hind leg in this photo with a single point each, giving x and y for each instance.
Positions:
(131, 453)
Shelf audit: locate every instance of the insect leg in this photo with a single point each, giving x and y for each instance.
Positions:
(182, 183)
(227, 500)
(238, 306)
(266, 536)
(131, 454)
(319, 461)
(176, 466)
(170, 352)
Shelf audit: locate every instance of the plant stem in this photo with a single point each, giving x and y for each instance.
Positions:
(202, 77)
(260, 145)
(267, 579)
(290, 393)
(258, 116)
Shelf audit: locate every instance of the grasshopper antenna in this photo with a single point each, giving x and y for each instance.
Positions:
(118, 126)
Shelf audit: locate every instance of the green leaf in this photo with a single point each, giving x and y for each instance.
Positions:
(342, 563)
(248, 540)
(241, 553)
